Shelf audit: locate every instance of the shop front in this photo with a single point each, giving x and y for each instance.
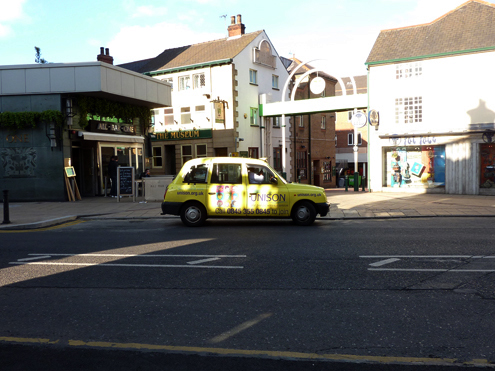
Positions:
(462, 164)
(91, 154)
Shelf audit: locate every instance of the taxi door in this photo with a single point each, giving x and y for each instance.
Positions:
(266, 195)
(226, 193)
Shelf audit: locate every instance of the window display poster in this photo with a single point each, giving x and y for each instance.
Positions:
(415, 166)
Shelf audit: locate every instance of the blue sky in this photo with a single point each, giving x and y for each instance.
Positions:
(340, 32)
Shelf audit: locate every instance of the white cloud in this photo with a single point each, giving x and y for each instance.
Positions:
(142, 42)
(5, 30)
(11, 10)
(150, 11)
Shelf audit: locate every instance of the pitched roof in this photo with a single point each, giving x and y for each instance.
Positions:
(196, 54)
(468, 28)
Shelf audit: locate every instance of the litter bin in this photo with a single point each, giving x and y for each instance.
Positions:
(341, 182)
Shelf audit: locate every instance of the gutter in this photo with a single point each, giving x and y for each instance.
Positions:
(437, 55)
(189, 67)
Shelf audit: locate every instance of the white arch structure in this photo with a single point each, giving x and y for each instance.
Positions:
(328, 104)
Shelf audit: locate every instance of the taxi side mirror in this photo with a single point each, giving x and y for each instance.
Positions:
(273, 180)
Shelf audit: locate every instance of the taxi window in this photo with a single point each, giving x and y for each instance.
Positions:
(196, 174)
(259, 174)
(226, 173)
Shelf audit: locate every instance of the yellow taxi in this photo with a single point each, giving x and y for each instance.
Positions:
(239, 188)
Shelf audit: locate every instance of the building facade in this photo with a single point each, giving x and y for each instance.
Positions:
(345, 136)
(217, 88)
(313, 134)
(432, 86)
(78, 115)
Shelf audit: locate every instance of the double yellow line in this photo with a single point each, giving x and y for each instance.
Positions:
(252, 353)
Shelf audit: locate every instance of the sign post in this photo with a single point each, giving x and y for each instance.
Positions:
(359, 119)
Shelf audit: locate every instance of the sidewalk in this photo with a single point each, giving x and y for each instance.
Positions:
(344, 205)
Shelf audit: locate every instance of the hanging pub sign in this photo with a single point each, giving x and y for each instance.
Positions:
(219, 113)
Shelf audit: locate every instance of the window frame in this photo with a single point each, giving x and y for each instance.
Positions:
(253, 116)
(202, 84)
(185, 82)
(182, 155)
(157, 156)
(275, 80)
(253, 77)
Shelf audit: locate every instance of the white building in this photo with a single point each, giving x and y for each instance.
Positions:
(217, 88)
(432, 85)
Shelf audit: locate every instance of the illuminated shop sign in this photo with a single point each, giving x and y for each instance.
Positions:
(183, 134)
(112, 127)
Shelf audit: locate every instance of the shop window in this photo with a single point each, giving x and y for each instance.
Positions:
(302, 164)
(414, 166)
(276, 121)
(186, 153)
(487, 173)
(157, 161)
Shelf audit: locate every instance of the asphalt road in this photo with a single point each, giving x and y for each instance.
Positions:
(250, 294)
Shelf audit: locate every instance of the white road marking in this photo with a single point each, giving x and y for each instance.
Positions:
(240, 328)
(384, 262)
(131, 265)
(151, 255)
(192, 264)
(203, 261)
(392, 258)
(35, 258)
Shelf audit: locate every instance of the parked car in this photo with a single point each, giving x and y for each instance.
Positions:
(234, 187)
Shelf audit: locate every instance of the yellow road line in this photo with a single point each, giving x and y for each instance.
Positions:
(260, 353)
(63, 225)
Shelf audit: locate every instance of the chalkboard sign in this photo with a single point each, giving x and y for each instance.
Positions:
(126, 181)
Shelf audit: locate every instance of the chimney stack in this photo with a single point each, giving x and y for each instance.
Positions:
(236, 29)
(106, 58)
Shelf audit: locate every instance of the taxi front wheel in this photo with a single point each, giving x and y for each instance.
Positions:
(193, 214)
(304, 213)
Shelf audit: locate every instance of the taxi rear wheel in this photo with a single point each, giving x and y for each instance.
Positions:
(193, 214)
(304, 213)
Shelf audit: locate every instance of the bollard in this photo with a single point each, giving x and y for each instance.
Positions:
(346, 183)
(356, 181)
(6, 207)
(363, 180)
